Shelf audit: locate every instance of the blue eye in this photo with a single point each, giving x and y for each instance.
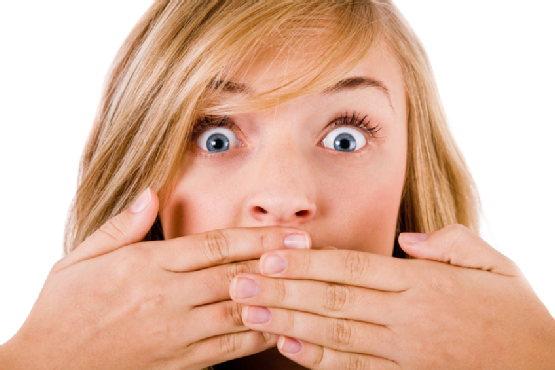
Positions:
(344, 139)
(217, 140)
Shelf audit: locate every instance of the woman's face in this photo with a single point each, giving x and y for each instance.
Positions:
(332, 164)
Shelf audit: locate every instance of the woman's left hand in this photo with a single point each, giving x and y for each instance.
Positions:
(460, 304)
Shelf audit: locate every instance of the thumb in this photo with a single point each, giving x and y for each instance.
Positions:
(128, 227)
(458, 246)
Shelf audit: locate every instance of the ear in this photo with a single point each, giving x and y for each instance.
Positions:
(458, 246)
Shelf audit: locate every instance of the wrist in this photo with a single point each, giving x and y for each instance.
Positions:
(17, 356)
(7, 358)
(545, 353)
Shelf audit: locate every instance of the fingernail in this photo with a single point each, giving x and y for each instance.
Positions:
(246, 288)
(289, 345)
(256, 315)
(141, 202)
(272, 264)
(413, 238)
(297, 241)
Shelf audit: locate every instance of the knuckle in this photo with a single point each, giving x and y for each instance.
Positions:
(230, 343)
(129, 261)
(447, 285)
(319, 357)
(443, 283)
(255, 341)
(113, 229)
(234, 313)
(431, 280)
(268, 339)
(457, 230)
(355, 362)
(59, 265)
(513, 267)
(216, 247)
(305, 264)
(356, 264)
(265, 241)
(280, 290)
(289, 322)
(340, 332)
(335, 297)
(234, 269)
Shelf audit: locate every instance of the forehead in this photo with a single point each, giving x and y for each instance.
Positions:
(274, 68)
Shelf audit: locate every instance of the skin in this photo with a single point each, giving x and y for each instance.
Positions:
(182, 303)
(118, 303)
(459, 305)
(282, 174)
(353, 306)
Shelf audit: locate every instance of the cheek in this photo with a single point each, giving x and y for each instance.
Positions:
(357, 203)
(363, 215)
(197, 206)
(362, 210)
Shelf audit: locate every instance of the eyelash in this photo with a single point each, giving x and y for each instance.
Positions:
(353, 120)
(212, 121)
(346, 119)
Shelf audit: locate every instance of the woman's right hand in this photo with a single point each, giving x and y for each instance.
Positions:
(118, 303)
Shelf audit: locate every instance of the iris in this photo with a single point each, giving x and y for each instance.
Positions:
(345, 142)
(217, 143)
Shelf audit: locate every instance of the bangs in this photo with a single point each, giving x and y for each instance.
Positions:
(329, 39)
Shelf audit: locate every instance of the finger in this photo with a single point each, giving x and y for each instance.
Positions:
(214, 319)
(458, 246)
(128, 227)
(324, 299)
(340, 334)
(339, 266)
(212, 284)
(313, 356)
(219, 247)
(227, 347)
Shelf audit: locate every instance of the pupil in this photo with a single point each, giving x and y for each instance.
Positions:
(217, 143)
(345, 142)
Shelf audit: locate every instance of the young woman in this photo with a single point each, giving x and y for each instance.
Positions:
(289, 152)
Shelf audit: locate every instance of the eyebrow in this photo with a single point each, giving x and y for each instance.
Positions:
(358, 82)
(347, 84)
(230, 87)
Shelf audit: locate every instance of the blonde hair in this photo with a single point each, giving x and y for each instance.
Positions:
(166, 73)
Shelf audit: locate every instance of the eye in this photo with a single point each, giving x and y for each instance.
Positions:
(344, 139)
(217, 140)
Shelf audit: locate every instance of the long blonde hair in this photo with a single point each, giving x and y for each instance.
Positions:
(166, 72)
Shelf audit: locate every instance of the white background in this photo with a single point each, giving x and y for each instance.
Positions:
(493, 59)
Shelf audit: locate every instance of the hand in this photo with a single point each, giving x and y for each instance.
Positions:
(459, 305)
(117, 303)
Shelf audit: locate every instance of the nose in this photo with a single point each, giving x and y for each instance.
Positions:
(281, 209)
(282, 192)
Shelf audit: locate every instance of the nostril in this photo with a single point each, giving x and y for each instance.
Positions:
(258, 209)
(302, 213)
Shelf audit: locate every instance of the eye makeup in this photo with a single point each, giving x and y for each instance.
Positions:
(354, 120)
(211, 121)
(345, 119)
(352, 142)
